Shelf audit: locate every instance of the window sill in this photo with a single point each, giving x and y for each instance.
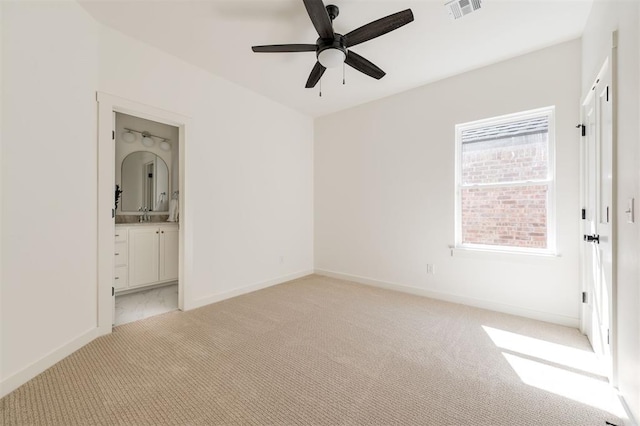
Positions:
(497, 254)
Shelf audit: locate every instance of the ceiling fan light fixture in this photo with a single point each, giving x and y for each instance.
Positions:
(331, 57)
(331, 48)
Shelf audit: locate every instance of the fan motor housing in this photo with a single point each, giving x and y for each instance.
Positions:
(327, 43)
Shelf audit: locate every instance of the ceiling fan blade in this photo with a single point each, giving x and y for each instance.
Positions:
(315, 75)
(319, 17)
(377, 28)
(364, 65)
(285, 48)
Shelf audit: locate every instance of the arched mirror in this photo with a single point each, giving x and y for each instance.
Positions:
(145, 183)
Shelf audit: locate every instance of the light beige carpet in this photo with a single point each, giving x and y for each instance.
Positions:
(315, 351)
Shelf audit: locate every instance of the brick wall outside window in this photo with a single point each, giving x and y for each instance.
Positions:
(514, 214)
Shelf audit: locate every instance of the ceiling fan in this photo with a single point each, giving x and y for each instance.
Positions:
(333, 49)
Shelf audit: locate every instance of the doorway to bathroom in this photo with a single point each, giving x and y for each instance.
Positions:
(147, 218)
(142, 216)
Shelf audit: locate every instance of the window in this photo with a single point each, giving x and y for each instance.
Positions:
(505, 183)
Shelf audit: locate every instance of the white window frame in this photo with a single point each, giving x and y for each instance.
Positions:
(550, 181)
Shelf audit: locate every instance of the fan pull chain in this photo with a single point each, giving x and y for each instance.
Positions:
(343, 78)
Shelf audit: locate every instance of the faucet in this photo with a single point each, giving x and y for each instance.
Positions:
(144, 217)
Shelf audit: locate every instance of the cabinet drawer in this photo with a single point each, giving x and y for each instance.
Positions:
(121, 254)
(121, 235)
(121, 277)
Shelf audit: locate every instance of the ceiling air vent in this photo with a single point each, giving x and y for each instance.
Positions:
(459, 8)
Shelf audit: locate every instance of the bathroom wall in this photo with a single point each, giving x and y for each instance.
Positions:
(123, 149)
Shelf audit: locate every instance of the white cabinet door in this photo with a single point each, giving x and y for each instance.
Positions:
(168, 253)
(143, 255)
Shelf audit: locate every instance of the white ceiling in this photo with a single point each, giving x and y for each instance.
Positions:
(218, 35)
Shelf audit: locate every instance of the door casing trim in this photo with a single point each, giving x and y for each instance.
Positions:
(107, 105)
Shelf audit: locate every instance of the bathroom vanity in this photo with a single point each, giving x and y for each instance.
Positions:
(146, 254)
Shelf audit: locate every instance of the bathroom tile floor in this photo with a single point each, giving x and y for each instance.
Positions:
(147, 303)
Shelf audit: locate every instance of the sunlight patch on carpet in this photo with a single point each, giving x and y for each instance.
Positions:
(558, 354)
(532, 365)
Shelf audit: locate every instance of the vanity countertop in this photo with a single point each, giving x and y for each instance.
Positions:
(146, 223)
(133, 219)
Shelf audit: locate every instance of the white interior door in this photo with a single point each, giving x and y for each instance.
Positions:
(113, 224)
(598, 193)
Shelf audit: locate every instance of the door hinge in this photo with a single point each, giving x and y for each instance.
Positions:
(113, 135)
(583, 213)
(113, 291)
(583, 129)
(113, 213)
(607, 93)
(608, 340)
(584, 297)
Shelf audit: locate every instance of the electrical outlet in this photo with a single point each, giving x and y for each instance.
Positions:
(431, 268)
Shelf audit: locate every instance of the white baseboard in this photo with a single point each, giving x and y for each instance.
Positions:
(454, 298)
(16, 380)
(245, 289)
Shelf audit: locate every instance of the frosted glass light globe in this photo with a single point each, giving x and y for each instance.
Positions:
(129, 137)
(331, 58)
(148, 141)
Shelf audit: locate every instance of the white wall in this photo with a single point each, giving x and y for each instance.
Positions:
(248, 165)
(384, 189)
(249, 169)
(49, 180)
(605, 17)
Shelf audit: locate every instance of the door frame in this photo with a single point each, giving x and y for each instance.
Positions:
(107, 105)
(608, 66)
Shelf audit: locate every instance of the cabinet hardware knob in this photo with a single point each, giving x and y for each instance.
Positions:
(117, 278)
(156, 232)
(117, 235)
(117, 254)
(162, 232)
